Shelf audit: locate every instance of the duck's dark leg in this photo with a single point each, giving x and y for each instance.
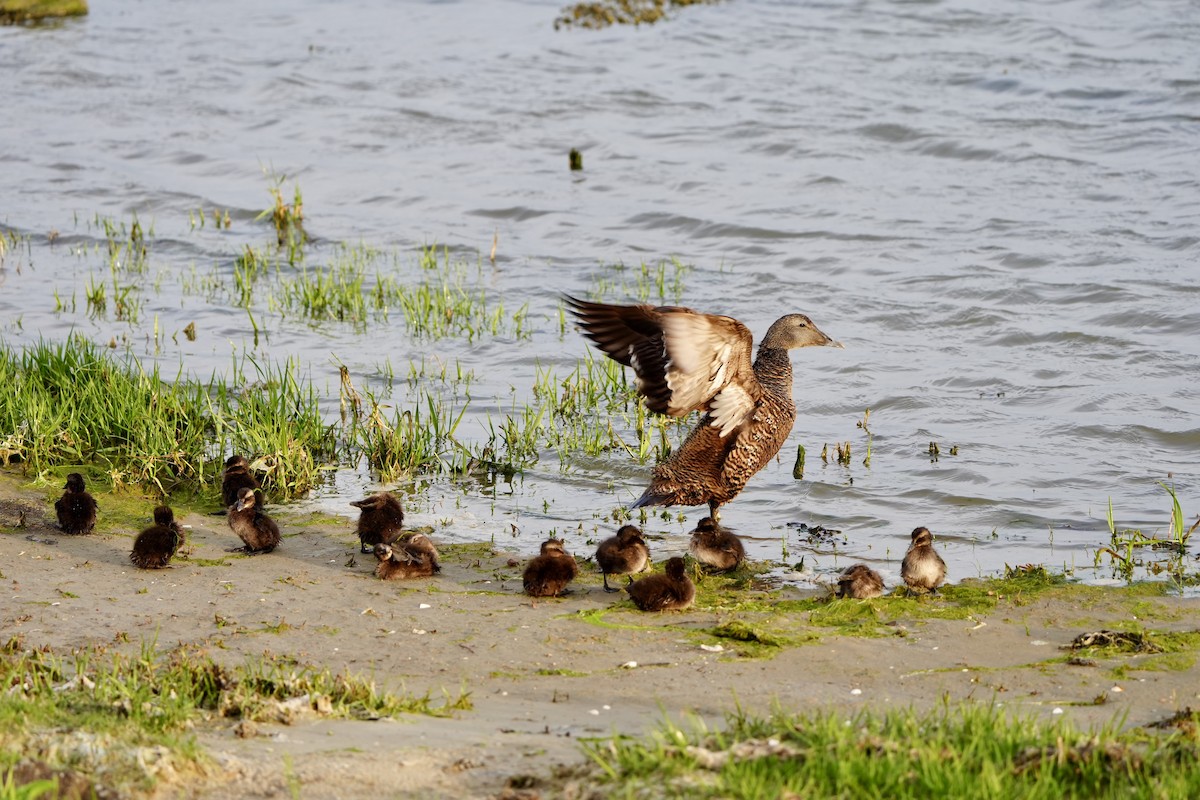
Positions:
(364, 548)
(714, 510)
(608, 588)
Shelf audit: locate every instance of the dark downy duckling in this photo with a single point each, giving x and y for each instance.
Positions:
(252, 525)
(414, 557)
(860, 582)
(922, 567)
(154, 547)
(548, 574)
(671, 591)
(76, 508)
(623, 554)
(237, 476)
(381, 520)
(715, 547)
(685, 362)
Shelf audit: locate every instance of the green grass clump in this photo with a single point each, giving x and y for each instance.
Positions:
(71, 404)
(962, 751)
(126, 706)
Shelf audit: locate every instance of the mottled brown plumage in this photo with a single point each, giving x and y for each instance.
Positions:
(548, 574)
(237, 476)
(922, 567)
(670, 591)
(685, 362)
(413, 557)
(715, 547)
(860, 582)
(252, 525)
(156, 546)
(76, 509)
(381, 520)
(623, 554)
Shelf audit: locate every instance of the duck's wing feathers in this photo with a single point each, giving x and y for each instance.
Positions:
(684, 361)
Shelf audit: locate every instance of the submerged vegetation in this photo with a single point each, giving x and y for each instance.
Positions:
(972, 750)
(603, 13)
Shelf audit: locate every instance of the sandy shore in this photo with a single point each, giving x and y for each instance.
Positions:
(541, 674)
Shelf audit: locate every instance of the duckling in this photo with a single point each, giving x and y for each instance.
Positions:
(76, 508)
(252, 525)
(155, 546)
(922, 567)
(380, 521)
(623, 554)
(414, 557)
(237, 476)
(715, 547)
(860, 582)
(672, 591)
(548, 574)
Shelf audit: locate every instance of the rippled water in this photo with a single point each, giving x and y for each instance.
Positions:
(993, 205)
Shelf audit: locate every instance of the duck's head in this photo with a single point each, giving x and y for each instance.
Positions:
(629, 534)
(676, 569)
(552, 546)
(74, 482)
(796, 330)
(245, 499)
(163, 515)
(921, 536)
(236, 460)
(374, 501)
(383, 552)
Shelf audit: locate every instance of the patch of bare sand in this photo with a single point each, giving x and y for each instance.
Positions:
(540, 675)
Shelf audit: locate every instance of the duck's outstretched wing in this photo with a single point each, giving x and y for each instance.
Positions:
(684, 361)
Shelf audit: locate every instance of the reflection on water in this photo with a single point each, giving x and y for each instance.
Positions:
(992, 205)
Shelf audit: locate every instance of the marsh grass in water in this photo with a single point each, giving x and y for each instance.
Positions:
(970, 750)
(1128, 548)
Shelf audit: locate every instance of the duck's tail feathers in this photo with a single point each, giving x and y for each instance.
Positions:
(651, 498)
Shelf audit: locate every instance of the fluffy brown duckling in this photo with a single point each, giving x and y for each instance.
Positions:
(76, 509)
(548, 574)
(686, 361)
(237, 476)
(860, 582)
(154, 547)
(670, 591)
(414, 557)
(922, 567)
(252, 525)
(715, 547)
(623, 554)
(381, 520)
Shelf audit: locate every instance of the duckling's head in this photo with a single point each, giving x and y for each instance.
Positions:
(74, 482)
(163, 515)
(245, 499)
(383, 552)
(921, 536)
(373, 501)
(706, 525)
(236, 460)
(630, 534)
(676, 569)
(796, 330)
(553, 546)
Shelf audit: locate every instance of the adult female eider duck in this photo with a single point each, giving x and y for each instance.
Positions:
(922, 567)
(715, 547)
(381, 520)
(76, 509)
(548, 574)
(684, 362)
(414, 557)
(257, 531)
(860, 582)
(623, 554)
(236, 477)
(671, 591)
(155, 546)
